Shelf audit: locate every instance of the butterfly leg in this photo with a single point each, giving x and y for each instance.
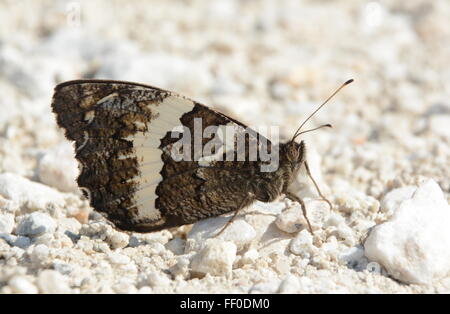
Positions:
(244, 201)
(297, 199)
(315, 184)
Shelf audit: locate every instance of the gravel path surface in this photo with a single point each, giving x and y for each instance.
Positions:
(385, 165)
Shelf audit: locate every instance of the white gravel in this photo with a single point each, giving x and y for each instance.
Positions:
(414, 244)
(384, 165)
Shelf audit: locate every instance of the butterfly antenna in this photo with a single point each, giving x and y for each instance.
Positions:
(319, 127)
(315, 111)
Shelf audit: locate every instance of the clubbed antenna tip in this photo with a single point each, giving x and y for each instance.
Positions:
(349, 81)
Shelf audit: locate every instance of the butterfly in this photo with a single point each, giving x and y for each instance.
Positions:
(126, 136)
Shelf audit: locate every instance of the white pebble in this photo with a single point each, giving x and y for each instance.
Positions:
(334, 220)
(265, 287)
(239, 231)
(290, 284)
(346, 233)
(181, 268)
(354, 258)
(117, 240)
(414, 244)
(393, 199)
(119, 259)
(249, 257)
(69, 224)
(439, 124)
(51, 282)
(216, 258)
(157, 279)
(302, 244)
(290, 220)
(40, 254)
(36, 196)
(59, 169)
(125, 287)
(176, 246)
(36, 224)
(6, 223)
(145, 290)
(63, 267)
(354, 201)
(22, 285)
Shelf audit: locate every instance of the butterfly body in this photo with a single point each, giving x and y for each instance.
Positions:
(123, 134)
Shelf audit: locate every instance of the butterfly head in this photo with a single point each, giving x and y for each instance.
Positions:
(295, 152)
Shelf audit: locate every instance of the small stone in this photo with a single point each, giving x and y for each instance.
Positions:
(346, 233)
(216, 258)
(249, 257)
(52, 282)
(162, 237)
(302, 245)
(392, 200)
(330, 247)
(292, 220)
(118, 259)
(85, 244)
(22, 242)
(6, 223)
(176, 246)
(58, 168)
(34, 195)
(22, 285)
(13, 255)
(290, 285)
(63, 267)
(157, 279)
(134, 241)
(334, 220)
(439, 125)
(8, 206)
(40, 254)
(181, 268)
(117, 240)
(156, 248)
(145, 290)
(414, 244)
(82, 215)
(18, 241)
(125, 287)
(354, 201)
(239, 231)
(36, 224)
(265, 287)
(69, 224)
(101, 247)
(354, 258)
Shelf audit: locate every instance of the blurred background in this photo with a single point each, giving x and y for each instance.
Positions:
(263, 62)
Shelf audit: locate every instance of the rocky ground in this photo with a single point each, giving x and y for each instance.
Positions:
(384, 166)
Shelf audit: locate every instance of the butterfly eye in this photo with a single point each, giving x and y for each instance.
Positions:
(293, 153)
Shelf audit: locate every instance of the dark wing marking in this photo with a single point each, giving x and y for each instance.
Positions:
(123, 140)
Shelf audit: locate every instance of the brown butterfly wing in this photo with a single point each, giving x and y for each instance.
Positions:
(123, 140)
